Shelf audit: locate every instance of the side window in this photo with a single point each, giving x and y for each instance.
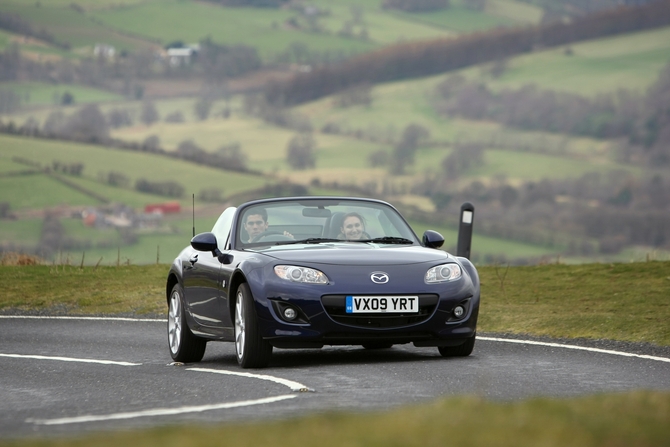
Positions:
(222, 227)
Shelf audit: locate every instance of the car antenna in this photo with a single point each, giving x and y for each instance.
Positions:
(193, 208)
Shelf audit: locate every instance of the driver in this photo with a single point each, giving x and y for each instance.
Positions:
(256, 223)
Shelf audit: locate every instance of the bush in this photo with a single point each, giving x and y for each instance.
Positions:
(168, 189)
(300, 151)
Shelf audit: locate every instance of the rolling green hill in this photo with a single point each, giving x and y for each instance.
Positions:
(134, 25)
(630, 61)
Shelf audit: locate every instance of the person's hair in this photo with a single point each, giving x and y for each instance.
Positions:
(254, 211)
(346, 216)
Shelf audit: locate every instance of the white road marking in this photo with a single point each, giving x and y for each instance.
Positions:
(294, 386)
(69, 359)
(579, 348)
(158, 411)
(38, 317)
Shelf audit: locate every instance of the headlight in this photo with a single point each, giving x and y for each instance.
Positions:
(443, 273)
(301, 274)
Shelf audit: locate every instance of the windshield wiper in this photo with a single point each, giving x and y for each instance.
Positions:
(311, 240)
(386, 240)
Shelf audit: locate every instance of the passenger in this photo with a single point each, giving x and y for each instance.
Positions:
(353, 227)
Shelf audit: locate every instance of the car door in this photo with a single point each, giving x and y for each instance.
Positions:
(202, 290)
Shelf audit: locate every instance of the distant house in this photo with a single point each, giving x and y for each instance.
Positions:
(104, 50)
(178, 57)
(163, 208)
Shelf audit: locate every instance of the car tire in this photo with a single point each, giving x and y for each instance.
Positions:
(463, 350)
(184, 346)
(252, 351)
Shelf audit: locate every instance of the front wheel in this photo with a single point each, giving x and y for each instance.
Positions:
(184, 346)
(252, 351)
(463, 350)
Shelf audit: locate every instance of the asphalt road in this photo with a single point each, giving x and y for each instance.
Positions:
(48, 386)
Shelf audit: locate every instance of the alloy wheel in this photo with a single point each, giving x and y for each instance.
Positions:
(240, 333)
(174, 323)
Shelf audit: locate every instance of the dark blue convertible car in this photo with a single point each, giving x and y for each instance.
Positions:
(305, 272)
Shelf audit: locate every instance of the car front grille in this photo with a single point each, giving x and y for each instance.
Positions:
(335, 306)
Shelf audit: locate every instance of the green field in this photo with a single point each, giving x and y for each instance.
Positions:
(135, 24)
(39, 191)
(630, 61)
(134, 165)
(37, 93)
(68, 25)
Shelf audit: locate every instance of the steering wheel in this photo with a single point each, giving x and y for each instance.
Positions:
(258, 237)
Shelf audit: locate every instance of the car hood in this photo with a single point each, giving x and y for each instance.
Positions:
(355, 254)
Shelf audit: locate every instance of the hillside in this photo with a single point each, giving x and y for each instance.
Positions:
(584, 175)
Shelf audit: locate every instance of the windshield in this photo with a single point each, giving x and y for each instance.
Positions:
(321, 220)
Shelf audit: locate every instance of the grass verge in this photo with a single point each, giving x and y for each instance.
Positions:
(636, 418)
(88, 290)
(626, 302)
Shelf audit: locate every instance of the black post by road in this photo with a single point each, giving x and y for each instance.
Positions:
(465, 230)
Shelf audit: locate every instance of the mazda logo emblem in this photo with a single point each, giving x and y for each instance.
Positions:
(379, 277)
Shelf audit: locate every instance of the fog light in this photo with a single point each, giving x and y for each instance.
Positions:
(459, 311)
(290, 314)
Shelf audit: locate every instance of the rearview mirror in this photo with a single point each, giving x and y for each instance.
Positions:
(316, 212)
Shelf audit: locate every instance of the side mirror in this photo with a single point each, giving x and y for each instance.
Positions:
(432, 239)
(205, 242)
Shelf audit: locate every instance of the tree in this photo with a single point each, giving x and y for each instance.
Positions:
(404, 151)
(357, 95)
(475, 5)
(10, 102)
(175, 117)
(300, 151)
(149, 114)
(87, 124)
(462, 158)
(232, 156)
(416, 5)
(67, 99)
(202, 107)
(119, 118)
(151, 143)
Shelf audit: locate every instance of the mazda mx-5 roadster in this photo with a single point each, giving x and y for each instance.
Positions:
(304, 272)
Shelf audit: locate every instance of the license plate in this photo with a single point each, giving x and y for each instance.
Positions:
(382, 304)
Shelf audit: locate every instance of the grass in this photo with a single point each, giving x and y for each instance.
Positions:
(68, 25)
(134, 165)
(638, 418)
(629, 61)
(459, 19)
(164, 244)
(23, 232)
(90, 290)
(627, 302)
(262, 28)
(485, 245)
(39, 191)
(37, 93)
